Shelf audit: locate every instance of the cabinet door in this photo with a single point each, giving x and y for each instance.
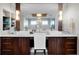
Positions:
(51, 46)
(59, 45)
(16, 45)
(24, 45)
(55, 46)
(70, 45)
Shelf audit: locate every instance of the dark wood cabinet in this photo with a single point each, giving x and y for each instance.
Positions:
(21, 45)
(62, 45)
(7, 46)
(24, 45)
(15, 45)
(70, 45)
(55, 45)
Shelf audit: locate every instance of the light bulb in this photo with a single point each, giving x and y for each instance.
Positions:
(60, 15)
(39, 15)
(17, 14)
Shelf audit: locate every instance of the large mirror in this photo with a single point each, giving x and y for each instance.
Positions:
(30, 21)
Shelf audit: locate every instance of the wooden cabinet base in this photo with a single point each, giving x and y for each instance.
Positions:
(55, 46)
(70, 46)
(15, 45)
(62, 45)
(21, 45)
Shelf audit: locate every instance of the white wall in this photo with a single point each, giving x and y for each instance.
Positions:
(1, 22)
(71, 15)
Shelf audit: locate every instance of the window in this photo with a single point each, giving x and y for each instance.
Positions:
(52, 22)
(26, 23)
(44, 22)
(33, 22)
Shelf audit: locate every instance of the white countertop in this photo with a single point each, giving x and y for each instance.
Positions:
(27, 34)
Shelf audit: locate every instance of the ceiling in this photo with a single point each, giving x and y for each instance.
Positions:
(27, 9)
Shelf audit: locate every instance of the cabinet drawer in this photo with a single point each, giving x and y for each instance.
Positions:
(7, 52)
(71, 38)
(70, 43)
(70, 49)
(70, 53)
(5, 38)
(6, 43)
(6, 47)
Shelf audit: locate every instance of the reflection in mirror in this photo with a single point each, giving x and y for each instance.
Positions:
(38, 18)
(32, 24)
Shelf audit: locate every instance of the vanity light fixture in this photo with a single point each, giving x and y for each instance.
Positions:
(39, 15)
(17, 14)
(60, 15)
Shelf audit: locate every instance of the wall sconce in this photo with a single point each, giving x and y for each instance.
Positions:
(60, 15)
(17, 15)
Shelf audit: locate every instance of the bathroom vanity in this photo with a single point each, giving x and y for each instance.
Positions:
(64, 44)
(15, 45)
